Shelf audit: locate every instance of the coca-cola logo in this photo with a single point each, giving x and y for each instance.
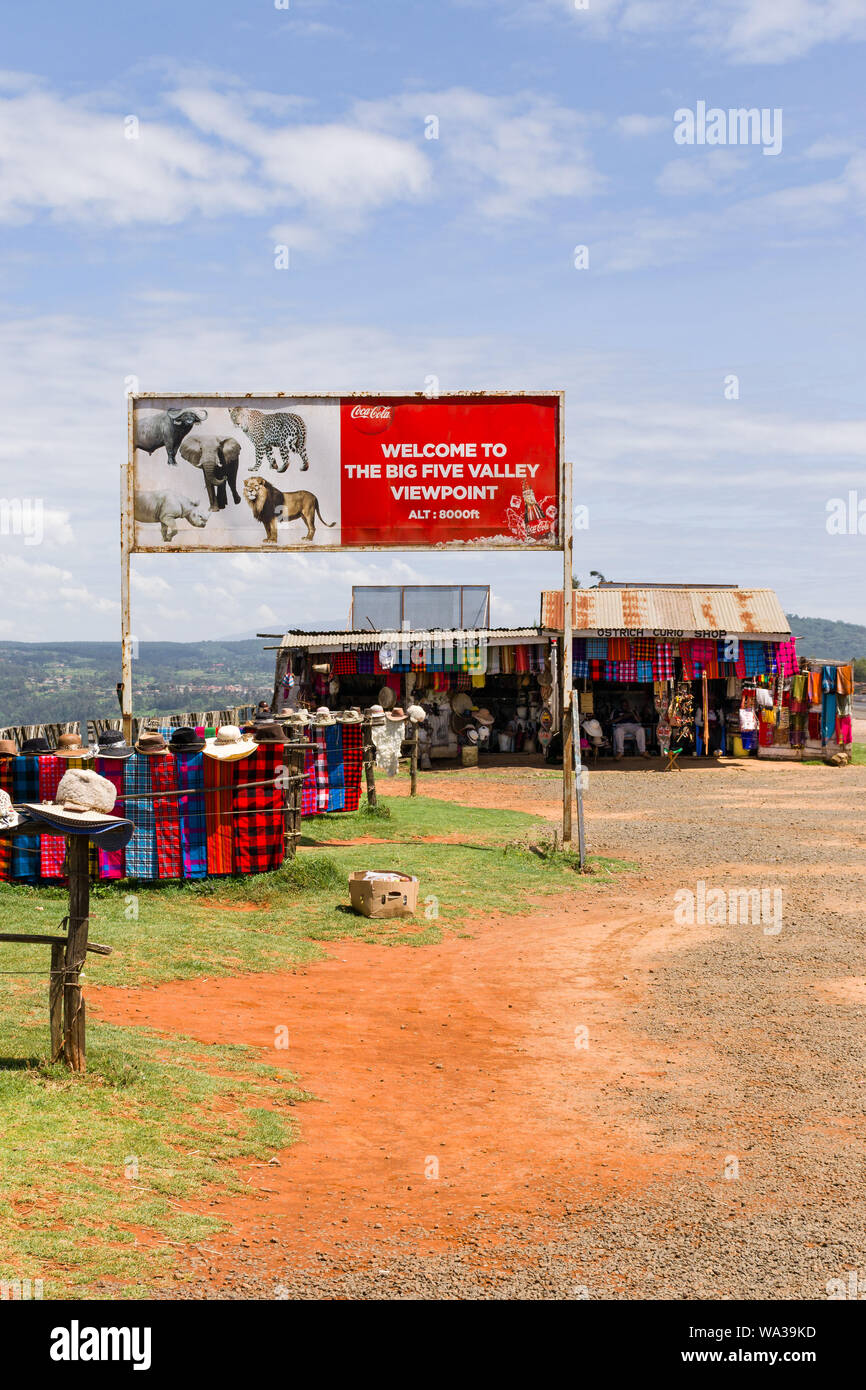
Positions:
(371, 419)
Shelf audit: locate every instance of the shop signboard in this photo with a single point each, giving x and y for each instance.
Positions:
(468, 471)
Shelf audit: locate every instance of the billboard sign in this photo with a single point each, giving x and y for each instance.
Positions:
(470, 471)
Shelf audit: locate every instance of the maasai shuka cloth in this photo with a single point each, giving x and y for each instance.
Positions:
(321, 762)
(580, 667)
(258, 817)
(345, 664)
(786, 658)
(755, 660)
(141, 850)
(814, 724)
(52, 848)
(334, 758)
(610, 671)
(691, 669)
(493, 661)
(219, 780)
(521, 658)
(536, 657)
(596, 648)
(25, 848)
(111, 861)
(578, 647)
(597, 670)
(353, 763)
(618, 649)
(644, 648)
(92, 851)
(367, 663)
(308, 791)
(703, 650)
(166, 816)
(193, 835)
(663, 661)
(644, 671)
(464, 680)
(5, 844)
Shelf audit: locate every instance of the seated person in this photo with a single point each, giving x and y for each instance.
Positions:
(625, 722)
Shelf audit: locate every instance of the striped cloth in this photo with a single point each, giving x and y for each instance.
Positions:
(663, 662)
(141, 850)
(6, 844)
(308, 792)
(111, 862)
(353, 764)
(166, 815)
(618, 649)
(52, 848)
(334, 758)
(25, 848)
(258, 813)
(193, 835)
(321, 766)
(219, 780)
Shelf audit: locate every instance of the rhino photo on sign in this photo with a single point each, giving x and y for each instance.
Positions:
(236, 473)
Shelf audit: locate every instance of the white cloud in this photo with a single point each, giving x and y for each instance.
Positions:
(507, 156)
(713, 171)
(744, 31)
(637, 126)
(72, 160)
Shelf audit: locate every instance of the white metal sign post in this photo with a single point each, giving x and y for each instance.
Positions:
(567, 610)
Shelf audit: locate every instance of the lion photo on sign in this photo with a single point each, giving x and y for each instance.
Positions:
(270, 506)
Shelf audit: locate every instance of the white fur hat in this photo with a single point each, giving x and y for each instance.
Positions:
(416, 713)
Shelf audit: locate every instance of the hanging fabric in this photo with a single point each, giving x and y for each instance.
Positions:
(219, 780)
(111, 863)
(166, 818)
(258, 812)
(193, 836)
(138, 800)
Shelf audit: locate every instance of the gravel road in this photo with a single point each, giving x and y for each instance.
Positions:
(706, 1142)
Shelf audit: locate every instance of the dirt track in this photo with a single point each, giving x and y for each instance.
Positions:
(706, 1142)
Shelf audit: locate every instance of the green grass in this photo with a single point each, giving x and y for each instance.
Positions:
(95, 1168)
(68, 1213)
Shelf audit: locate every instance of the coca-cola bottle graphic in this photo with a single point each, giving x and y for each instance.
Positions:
(532, 512)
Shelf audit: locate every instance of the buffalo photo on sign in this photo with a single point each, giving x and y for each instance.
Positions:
(331, 472)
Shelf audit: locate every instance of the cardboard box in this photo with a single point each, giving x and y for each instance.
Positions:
(382, 897)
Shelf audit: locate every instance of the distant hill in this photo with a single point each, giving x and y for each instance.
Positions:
(826, 640)
(51, 682)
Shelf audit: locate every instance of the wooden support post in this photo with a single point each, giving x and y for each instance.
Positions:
(370, 763)
(77, 858)
(565, 675)
(55, 999)
(413, 763)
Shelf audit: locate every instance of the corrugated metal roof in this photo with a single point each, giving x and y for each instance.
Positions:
(336, 641)
(754, 612)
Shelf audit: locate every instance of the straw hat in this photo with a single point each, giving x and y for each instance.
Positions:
(387, 697)
(352, 716)
(483, 716)
(377, 714)
(460, 702)
(323, 718)
(229, 745)
(7, 748)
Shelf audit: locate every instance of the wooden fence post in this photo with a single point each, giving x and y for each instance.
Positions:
(413, 763)
(55, 999)
(370, 763)
(77, 858)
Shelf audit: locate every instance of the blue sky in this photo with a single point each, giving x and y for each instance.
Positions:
(452, 257)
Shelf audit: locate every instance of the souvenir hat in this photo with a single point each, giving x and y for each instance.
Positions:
(472, 735)
(458, 722)
(387, 697)
(460, 702)
(377, 714)
(152, 745)
(396, 715)
(7, 748)
(229, 745)
(268, 733)
(186, 740)
(352, 716)
(8, 817)
(35, 746)
(112, 745)
(82, 798)
(70, 746)
(323, 717)
(483, 716)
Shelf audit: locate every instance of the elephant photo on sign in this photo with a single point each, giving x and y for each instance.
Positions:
(217, 456)
(165, 429)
